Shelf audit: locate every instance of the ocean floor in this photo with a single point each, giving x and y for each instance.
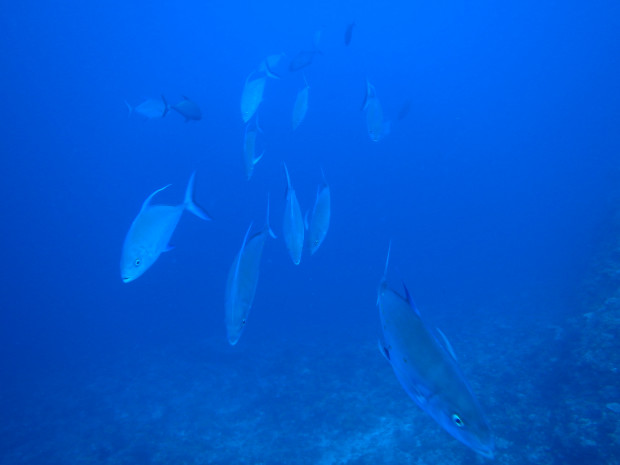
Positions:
(552, 395)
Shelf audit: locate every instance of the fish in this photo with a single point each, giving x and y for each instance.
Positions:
(251, 96)
(319, 224)
(427, 371)
(150, 232)
(293, 224)
(370, 94)
(375, 124)
(302, 59)
(243, 280)
(301, 105)
(249, 149)
(349, 33)
(188, 109)
(151, 108)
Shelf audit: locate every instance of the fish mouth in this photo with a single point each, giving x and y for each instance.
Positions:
(127, 279)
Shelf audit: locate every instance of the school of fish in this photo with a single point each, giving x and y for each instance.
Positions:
(422, 360)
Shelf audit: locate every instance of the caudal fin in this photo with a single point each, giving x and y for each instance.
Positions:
(271, 233)
(193, 206)
(129, 108)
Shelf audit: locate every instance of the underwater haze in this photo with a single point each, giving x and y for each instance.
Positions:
(480, 139)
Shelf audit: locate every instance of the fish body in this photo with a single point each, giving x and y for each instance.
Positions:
(349, 33)
(252, 96)
(293, 224)
(428, 373)
(302, 59)
(319, 224)
(150, 232)
(375, 124)
(250, 159)
(150, 108)
(188, 109)
(301, 106)
(243, 280)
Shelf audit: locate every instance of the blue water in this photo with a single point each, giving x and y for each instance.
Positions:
(498, 191)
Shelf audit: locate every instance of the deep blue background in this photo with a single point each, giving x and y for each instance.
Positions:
(494, 189)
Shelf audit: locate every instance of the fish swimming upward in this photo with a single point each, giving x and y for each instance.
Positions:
(150, 232)
(252, 96)
(319, 223)
(243, 279)
(428, 372)
(293, 223)
(250, 159)
(301, 105)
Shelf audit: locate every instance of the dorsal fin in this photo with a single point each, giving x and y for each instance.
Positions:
(147, 202)
(410, 299)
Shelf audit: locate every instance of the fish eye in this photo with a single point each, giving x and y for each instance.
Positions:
(243, 322)
(137, 262)
(457, 420)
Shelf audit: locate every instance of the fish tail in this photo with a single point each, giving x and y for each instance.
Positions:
(129, 108)
(271, 233)
(166, 107)
(193, 206)
(288, 179)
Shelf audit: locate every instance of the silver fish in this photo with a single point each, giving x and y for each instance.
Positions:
(151, 108)
(293, 223)
(252, 96)
(188, 109)
(319, 224)
(243, 279)
(249, 149)
(301, 105)
(376, 126)
(428, 373)
(150, 232)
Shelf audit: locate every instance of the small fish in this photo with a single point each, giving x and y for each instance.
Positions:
(151, 108)
(427, 371)
(302, 59)
(301, 105)
(150, 232)
(370, 94)
(252, 96)
(243, 279)
(349, 33)
(376, 126)
(249, 149)
(293, 224)
(188, 109)
(319, 224)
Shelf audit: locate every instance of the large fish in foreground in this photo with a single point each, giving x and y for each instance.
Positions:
(252, 96)
(149, 234)
(243, 279)
(301, 105)
(293, 223)
(428, 371)
(319, 223)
